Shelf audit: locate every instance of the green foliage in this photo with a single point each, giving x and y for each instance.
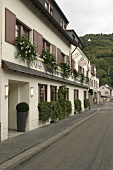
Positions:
(54, 110)
(86, 103)
(77, 104)
(50, 62)
(26, 50)
(82, 78)
(44, 111)
(87, 79)
(22, 107)
(65, 70)
(68, 108)
(104, 81)
(100, 51)
(75, 73)
(62, 92)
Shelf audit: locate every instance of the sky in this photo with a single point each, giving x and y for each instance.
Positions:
(88, 16)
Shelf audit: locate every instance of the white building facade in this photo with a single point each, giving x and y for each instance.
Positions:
(43, 23)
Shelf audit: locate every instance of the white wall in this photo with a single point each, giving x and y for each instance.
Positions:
(77, 55)
(13, 100)
(33, 21)
(103, 91)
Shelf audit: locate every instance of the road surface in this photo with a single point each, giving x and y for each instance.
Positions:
(89, 146)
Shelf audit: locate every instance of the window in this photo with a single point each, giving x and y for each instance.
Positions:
(46, 45)
(17, 31)
(67, 94)
(76, 94)
(53, 93)
(79, 69)
(48, 7)
(106, 92)
(25, 32)
(87, 74)
(51, 10)
(21, 30)
(42, 92)
(85, 94)
(83, 71)
(63, 57)
(63, 25)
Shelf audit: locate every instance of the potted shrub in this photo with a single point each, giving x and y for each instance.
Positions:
(22, 113)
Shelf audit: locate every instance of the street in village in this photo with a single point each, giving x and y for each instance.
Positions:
(87, 146)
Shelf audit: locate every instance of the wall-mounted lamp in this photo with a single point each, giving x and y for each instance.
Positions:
(6, 90)
(31, 91)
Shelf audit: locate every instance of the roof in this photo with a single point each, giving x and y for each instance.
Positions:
(60, 11)
(41, 8)
(72, 30)
(15, 67)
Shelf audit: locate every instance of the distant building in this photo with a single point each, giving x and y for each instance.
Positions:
(106, 93)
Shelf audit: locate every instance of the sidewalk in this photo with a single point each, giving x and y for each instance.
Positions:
(16, 145)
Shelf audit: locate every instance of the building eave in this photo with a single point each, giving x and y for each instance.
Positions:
(6, 65)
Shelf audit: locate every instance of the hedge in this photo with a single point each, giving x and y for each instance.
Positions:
(54, 110)
(77, 104)
(86, 103)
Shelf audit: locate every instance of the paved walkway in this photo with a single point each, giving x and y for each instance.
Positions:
(16, 145)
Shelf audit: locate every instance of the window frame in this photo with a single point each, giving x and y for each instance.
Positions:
(21, 28)
(76, 94)
(67, 94)
(53, 95)
(62, 24)
(45, 45)
(42, 92)
(47, 5)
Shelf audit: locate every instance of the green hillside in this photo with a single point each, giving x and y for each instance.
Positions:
(99, 48)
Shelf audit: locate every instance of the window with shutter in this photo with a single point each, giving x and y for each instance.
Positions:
(53, 93)
(10, 22)
(54, 50)
(46, 45)
(42, 92)
(79, 69)
(59, 57)
(21, 30)
(63, 58)
(72, 65)
(68, 60)
(76, 94)
(87, 74)
(38, 40)
(83, 71)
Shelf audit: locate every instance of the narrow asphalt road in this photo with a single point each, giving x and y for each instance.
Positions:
(89, 146)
